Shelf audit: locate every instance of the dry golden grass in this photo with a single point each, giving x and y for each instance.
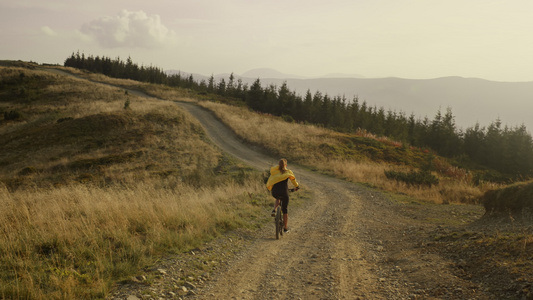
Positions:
(156, 90)
(48, 94)
(72, 242)
(293, 140)
(303, 144)
(91, 192)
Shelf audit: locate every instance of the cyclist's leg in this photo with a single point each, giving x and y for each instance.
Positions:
(276, 203)
(276, 196)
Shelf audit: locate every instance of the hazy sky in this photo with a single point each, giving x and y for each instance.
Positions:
(415, 39)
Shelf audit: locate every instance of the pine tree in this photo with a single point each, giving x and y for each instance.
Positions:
(254, 97)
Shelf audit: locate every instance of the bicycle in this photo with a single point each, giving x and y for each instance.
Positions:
(278, 220)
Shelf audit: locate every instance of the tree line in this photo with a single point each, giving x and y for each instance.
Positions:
(508, 150)
(116, 68)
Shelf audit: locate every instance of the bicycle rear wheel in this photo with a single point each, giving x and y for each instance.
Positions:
(279, 223)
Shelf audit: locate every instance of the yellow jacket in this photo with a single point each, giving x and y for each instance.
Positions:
(276, 176)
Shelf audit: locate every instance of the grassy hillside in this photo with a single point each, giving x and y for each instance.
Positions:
(68, 130)
(96, 183)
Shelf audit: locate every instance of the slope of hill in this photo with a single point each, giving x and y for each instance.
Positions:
(68, 129)
(96, 182)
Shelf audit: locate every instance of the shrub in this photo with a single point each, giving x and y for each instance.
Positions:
(12, 115)
(491, 176)
(28, 171)
(516, 200)
(61, 120)
(413, 177)
(287, 118)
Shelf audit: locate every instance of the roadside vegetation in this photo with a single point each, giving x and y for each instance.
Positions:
(92, 189)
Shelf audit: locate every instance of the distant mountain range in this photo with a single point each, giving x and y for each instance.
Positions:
(472, 100)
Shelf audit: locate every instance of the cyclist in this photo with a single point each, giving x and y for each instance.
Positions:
(278, 184)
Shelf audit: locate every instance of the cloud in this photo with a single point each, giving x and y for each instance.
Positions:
(48, 31)
(129, 29)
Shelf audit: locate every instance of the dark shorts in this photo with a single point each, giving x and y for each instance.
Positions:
(281, 191)
(284, 202)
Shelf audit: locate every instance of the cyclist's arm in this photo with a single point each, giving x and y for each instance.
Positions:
(294, 182)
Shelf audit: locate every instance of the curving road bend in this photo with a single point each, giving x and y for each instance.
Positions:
(325, 255)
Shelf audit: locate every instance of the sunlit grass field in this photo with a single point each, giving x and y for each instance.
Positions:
(96, 183)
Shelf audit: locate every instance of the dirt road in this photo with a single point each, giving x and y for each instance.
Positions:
(322, 257)
(348, 242)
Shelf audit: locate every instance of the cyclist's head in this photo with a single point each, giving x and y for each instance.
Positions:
(282, 165)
